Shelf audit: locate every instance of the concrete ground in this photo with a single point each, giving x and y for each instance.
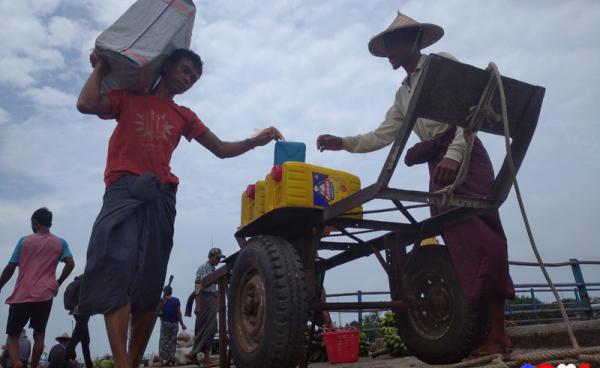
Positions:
(526, 339)
(381, 362)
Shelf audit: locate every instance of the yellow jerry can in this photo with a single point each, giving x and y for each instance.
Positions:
(299, 184)
(248, 204)
(259, 199)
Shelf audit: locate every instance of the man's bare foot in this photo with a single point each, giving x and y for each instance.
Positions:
(493, 347)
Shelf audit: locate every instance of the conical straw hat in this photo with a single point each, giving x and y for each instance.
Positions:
(430, 34)
(64, 336)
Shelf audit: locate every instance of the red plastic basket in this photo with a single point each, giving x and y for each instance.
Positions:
(341, 344)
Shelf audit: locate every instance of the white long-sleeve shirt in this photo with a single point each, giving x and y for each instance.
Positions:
(425, 129)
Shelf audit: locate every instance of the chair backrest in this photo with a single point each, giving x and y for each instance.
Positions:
(451, 88)
(446, 92)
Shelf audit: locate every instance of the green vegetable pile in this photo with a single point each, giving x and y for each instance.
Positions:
(394, 345)
(363, 345)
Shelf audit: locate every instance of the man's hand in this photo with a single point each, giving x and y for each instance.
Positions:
(90, 100)
(7, 273)
(98, 61)
(197, 311)
(329, 142)
(445, 171)
(267, 135)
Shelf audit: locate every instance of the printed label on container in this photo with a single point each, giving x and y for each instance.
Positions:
(323, 190)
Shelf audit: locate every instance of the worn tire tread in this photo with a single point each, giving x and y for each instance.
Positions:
(287, 295)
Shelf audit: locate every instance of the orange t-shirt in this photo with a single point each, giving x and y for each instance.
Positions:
(148, 131)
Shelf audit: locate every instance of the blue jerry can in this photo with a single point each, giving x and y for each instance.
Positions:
(289, 151)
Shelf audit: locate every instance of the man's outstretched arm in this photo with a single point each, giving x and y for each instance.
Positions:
(91, 101)
(9, 270)
(223, 149)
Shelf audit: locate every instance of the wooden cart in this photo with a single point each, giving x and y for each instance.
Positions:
(273, 284)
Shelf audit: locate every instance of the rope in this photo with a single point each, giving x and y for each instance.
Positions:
(513, 170)
(544, 356)
(585, 354)
(590, 358)
(476, 362)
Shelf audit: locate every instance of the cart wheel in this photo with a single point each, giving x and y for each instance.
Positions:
(447, 326)
(268, 307)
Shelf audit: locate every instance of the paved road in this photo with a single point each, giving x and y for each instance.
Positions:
(381, 362)
(374, 363)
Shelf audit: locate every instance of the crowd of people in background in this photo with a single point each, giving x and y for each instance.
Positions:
(37, 257)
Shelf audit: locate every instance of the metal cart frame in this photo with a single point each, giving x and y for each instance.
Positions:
(447, 91)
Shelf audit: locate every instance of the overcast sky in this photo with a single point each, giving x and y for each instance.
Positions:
(304, 67)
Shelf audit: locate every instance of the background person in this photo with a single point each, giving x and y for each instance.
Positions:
(206, 309)
(24, 351)
(81, 332)
(37, 256)
(170, 319)
(57, 354)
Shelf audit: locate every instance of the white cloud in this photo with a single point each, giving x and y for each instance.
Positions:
(4, 116)
(65, 33)
(48, 96)
(43, 7)
(105, 12)
(34, 41)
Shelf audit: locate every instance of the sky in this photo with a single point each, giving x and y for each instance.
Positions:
(304, 67)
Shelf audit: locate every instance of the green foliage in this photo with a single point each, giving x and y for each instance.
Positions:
(371, 326)
(363, 345)
(355, 324)
(387, 320)
(107, 363)
(523, 300)
(393, 343)
(543, 311)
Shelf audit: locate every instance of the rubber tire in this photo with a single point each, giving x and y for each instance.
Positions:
(467, 325)
(285, 311)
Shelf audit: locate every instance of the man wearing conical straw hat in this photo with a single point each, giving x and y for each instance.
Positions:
(477, 246)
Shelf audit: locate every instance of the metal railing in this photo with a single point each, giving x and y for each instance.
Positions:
(581, 306)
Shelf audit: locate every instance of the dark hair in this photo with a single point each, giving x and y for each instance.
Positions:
(408, 35)
(168, 290)
(185, 53)
(42, 216)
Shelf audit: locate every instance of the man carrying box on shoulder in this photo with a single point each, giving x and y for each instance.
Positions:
(132, 237)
